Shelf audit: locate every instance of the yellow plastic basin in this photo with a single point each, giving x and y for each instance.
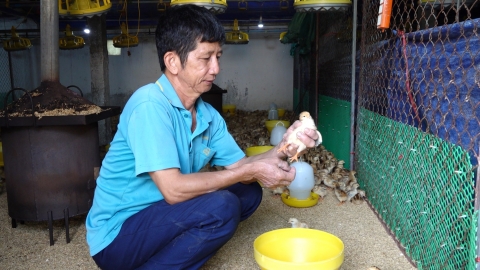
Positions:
(256, 150)
(270, 124)
(298, 248)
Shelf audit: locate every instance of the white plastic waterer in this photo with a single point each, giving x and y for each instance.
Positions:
(301, 187)
(276, 135)
(272, 112)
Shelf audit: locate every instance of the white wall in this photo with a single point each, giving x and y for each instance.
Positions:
(257, 74)
(254, 75)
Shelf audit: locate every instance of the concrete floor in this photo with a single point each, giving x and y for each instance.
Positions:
(366, 241)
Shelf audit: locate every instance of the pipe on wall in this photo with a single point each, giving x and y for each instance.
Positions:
(49, 70)
(352, 101)
(317, 17)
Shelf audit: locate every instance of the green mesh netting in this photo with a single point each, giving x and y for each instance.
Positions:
(334, 124)
(423, 189)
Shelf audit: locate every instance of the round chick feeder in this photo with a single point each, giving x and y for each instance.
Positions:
(257, 150)
(298, 248)
(270, 124)
(294, 202)
(229, 109)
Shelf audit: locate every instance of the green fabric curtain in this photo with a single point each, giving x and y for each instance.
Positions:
(301, 32)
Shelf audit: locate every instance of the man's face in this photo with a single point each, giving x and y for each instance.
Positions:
(201, 68)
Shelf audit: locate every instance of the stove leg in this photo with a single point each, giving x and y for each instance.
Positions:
(50, 226)
(67, 234)
(14, 223)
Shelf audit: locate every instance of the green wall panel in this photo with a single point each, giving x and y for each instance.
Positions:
(334, 125)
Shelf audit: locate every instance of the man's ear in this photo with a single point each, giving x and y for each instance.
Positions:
(172, 62)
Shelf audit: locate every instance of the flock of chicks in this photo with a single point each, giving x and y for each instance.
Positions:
(330, 174)
(248, 129)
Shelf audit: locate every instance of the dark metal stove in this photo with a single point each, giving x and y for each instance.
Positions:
(50, 166)
(50, 162)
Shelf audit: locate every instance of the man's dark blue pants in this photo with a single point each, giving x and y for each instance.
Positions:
(180, 236)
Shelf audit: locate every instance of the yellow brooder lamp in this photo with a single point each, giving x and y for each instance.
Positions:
(236, 37)
(81, 8)
(124, 40)
(215, 6)
(321, 5)
(70, 41)
(16, 43)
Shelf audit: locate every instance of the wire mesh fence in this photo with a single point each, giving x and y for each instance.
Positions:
(334, 81)
(418, 127)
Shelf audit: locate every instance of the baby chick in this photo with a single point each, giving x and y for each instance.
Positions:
(278, 190)
(329, 181)
(337, 174)
(321, 190)
(340, 164)
(359, 197)
(307, 122)
(341, 195)
(352, 191)
(297, 224)
(351, 178)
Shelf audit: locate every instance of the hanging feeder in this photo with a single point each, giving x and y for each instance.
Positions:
(16, 43)
(70, 41)
(81, 8)
(236, 37)
(321, 5)
(215, 6)
(125, 40)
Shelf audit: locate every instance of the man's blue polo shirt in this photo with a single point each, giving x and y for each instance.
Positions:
(154, 133)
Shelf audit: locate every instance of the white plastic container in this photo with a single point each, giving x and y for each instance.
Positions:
(301, 187)
(277, 133)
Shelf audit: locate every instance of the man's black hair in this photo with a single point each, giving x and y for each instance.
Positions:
(180, 27)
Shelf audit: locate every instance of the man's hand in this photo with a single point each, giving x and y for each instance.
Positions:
(307, 137)
(273, 172)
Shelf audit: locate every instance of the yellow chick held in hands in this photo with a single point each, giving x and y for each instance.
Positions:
(307, 122)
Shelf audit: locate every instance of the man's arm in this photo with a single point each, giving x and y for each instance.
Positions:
(177, 187)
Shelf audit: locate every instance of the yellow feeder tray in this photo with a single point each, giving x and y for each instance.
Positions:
(321, 5)
(236, 37)
(81, 8)
(16, 43)
(229, 109)
(70, 42)
(125, 40)
(215, 6)
(299, 249)
(293, 202)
